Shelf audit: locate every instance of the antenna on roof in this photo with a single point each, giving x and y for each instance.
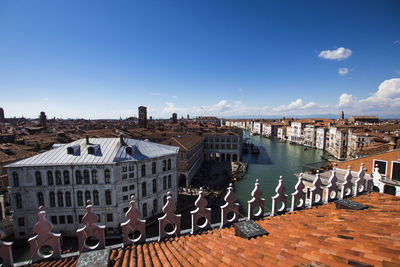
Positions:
(87, 139)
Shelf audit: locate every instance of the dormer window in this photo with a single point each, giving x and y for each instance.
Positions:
(128, 150)
(70, 150)
(90, 150)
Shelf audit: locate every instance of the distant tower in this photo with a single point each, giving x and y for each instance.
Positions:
(142, 117)
(342, 115)
(43, 119)
(188, 116)
(2, 115)
(174, 118)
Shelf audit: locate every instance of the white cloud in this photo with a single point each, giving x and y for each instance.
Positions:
(345, 100)
(343, 71)
(397, 42)
(338, 54)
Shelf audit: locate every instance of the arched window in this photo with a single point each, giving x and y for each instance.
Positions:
(164, 182)
(38, 176)
(80, 198)
(143, 168)
(144, 189)
(107, 176)
(165, 199)
(108, 197)
(66, 177)
(94, 177)
(95, 197)
(68, 199)
(169, 164)
(50, 180)
(164, 165)
(15, 179)
(169, 181)
(40, 199)
(154, 167)
(58, 178)
(78, 177)
(155, 206)
(154, 186)
(144, 210)
(87, 196)
(86, 176)
(18, 200)
(60, 199)
(52, 198)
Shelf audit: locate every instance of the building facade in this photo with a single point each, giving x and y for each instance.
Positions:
(107, 171)
(223, 147)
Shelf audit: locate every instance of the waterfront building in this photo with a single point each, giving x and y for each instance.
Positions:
(257, 127)
(320, 138)
(357, 141)
(281, 133)
(310, 135)
(338, 142)
(107, 171)
(223, 146)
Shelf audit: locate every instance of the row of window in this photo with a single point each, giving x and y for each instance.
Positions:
(221, 139)
(64, 179)
(128, 170)
(68, 203)
(221, 146)
(166, 182)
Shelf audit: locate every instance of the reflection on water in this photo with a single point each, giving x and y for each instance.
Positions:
(275, 159)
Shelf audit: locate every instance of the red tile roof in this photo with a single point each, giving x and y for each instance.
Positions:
(321, 236)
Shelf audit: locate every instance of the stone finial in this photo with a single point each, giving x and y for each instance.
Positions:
(332, 187)
(256, 201)
(317, 190)
(5, 251)
(346, 185)
(229, 206)
(91, 229)
(169, 218)
(201, 211)
(134, 223)
(279, 198)
(359, 184)
(44, 237)
(299, 194)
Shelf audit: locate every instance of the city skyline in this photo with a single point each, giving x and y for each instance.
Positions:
(216, 58)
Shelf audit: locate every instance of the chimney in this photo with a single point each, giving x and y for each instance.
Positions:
(87, 140)
(121, 139)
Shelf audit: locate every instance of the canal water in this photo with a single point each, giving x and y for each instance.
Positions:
(276, 159)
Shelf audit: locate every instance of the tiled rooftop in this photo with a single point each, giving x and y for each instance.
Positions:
(320, 236)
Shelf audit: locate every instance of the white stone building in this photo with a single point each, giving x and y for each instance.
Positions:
(320, 138)
(338, 142)
(223, 146)
(106, 171)
(310, 135)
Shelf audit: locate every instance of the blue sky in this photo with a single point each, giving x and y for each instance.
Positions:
(103, 59)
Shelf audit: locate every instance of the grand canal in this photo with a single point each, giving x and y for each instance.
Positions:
(275, 159)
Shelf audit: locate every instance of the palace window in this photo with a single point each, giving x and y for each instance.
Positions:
(164, 182)
(107, 176)
(154, 186)
(169, 181)
(40, 199)
(87, 196)
(18, 200)
(78, 177)
(68, 199)
(108, 197)
(154, 167)
(144, 210)
(58, 178)
(15, 179)
(95, 197)
(38, 176)
(143, 169)
(50, 179)
(86, 176)
(60, 199)
(52, 198)
(80, 198)
(66, 177)
(169, 164)
(94, 177)
(164, 165)
(144, 189)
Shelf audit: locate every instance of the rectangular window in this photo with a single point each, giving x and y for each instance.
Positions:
(124, 188)
(61, 219)
(70, 219)
(54, 219)
(125, 197)
(396, 171)
(381, 166)
(109, 217)
(80, 218)
(131, 175)
(124, 168)
(124, 176)
(131, 168)
(125, 209)
(21, 221)
(132, 187)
